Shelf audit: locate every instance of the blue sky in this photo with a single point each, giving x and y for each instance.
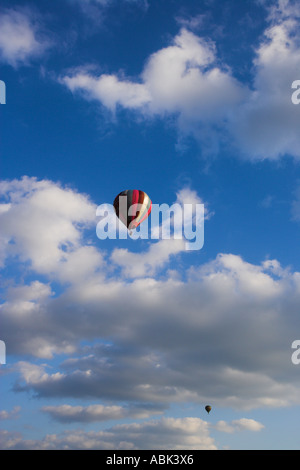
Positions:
(119, 344)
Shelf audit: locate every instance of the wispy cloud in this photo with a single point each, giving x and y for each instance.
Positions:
(21, 37)
(4, 414)
(98, 412)
(295, 206)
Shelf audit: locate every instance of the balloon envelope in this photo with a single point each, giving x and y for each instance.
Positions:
(132, 206)
(208, 408)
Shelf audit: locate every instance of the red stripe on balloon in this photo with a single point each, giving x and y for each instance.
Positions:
(135, 200)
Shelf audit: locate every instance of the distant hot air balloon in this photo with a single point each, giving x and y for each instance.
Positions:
(133, 210)
(208, 408)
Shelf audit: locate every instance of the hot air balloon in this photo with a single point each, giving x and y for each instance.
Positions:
(132, 206)
(208, 408)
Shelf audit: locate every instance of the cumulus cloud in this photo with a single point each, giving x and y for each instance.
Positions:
(42, 230)
(168, 433)
(187, 80)
(242, 424)
(148, 357)
(181, 79)
(150, 340)
(42, 222)
(266, 125)
(21, 38)
(136, 265)
(164, 433)
(246, 424)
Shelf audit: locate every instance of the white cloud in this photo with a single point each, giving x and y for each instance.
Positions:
(35, 374)
(237, 318)
(20, 37)
(242, 424)
(266, 125)
(182, 78)
(161, 434)
(10, 414)
(109, 90)
(147, 264)
(189, 196)
(67, 413)
(166, 433)
(246, 424)
(80, 264)
(252, 279)
(283, 9)
(186, 80)
(98, 412)
(151, 323)
(42, 223)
